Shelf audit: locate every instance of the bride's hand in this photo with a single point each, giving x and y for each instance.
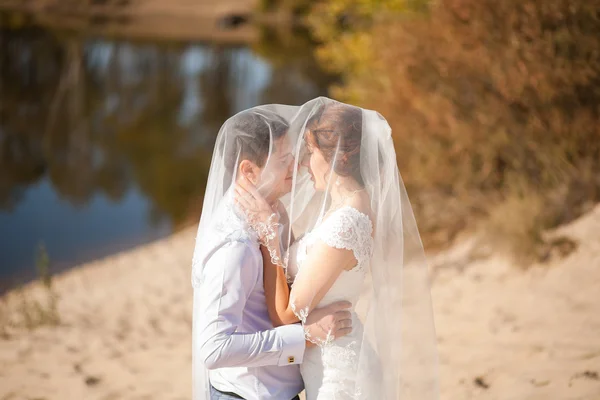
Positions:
(260, 213)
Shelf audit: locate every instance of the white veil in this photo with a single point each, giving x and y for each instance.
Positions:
(395, 305)
(238, 138)
(398, 355)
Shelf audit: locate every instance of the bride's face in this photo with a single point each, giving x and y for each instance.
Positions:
(318, 167)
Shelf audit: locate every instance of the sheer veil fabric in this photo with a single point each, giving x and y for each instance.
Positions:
(260, 134)
(357, 202)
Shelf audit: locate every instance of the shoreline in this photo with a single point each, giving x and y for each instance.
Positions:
(230, 22)
(110, 257)
(171, 8)
(30, 275)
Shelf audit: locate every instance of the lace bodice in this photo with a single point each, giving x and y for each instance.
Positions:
(328, 371)
(346, 228)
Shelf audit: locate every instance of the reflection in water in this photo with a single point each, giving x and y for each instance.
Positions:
(105, 144)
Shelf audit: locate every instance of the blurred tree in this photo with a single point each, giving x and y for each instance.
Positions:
(489, 101)
(217, 87)
(26, 63)
(296, 73)
(102, 116)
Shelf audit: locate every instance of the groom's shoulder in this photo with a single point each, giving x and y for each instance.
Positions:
(239, 250)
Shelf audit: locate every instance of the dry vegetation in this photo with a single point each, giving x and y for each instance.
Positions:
(494, 106)
(32, 309)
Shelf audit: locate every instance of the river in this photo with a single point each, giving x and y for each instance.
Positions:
(106, 140)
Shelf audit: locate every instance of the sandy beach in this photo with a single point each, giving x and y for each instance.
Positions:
(504, 332)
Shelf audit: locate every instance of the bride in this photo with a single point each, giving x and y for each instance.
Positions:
(357, 242)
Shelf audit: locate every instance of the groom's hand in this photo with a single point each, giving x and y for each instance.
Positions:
(330, 322)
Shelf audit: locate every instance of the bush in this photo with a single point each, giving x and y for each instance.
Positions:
(28, 308)
(488, 101)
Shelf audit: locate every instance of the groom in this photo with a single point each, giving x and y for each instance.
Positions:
(246, 356)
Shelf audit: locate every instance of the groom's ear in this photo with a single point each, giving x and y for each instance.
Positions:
(250, 170)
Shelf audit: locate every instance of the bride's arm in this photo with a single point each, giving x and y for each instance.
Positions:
(322, 267)
(274, 275)
(277, 291)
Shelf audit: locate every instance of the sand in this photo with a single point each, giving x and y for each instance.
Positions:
(504, 332)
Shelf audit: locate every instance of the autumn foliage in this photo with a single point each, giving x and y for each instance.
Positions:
(492, 103)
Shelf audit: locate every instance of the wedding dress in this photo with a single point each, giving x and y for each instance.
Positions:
(329, 371)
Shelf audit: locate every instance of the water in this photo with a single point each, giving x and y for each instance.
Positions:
(105, 143)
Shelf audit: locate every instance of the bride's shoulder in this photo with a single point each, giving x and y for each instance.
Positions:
(349, 228)
(358, 206)
(350, 218)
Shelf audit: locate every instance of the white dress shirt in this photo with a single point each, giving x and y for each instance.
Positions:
(240, 347)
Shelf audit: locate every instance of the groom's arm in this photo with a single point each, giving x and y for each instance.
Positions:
(230, 275)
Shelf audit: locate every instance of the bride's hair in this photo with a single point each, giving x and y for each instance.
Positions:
(338, 123)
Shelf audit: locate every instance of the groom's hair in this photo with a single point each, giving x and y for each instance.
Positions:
(249, 137)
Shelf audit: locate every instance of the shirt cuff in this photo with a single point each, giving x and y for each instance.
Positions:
(293, 344)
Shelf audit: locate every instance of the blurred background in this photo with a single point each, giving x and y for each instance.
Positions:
(108, 114)
(108, 120)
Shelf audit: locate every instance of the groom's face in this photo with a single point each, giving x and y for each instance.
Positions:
(276, 176)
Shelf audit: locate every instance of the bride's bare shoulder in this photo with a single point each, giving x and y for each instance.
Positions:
(362, 203)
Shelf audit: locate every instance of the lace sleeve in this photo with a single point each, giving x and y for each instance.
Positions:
(350, 229)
